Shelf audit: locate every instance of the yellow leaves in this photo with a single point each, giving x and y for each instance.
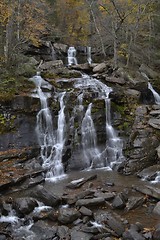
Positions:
(5, 12)
(76, 19)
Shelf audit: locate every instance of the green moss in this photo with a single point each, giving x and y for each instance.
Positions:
(11, 86)
(49, 75)
(127, 116)
(6, 123)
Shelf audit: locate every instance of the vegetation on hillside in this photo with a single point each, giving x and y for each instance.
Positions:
(127, 30)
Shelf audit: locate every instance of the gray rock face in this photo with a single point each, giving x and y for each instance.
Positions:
(22, 117)
(99, 68)
(142, 142)
(24, 205)
(156, 235)
(43, 231)
(155, 123)
(79, 235)
(46, 197)
(134, 202)
(131, 234)
(156, 209)
(51, 65)
(68, 215)
(90, 202)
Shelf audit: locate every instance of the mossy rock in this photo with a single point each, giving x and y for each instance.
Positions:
(6, 123)
(11, 86)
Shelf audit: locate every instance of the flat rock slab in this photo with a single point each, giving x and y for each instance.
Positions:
(90, 202)
(149, 190)
(155, 123)
(79, 182)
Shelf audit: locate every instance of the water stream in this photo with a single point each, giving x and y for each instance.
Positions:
(72, 60)
(155, 94)
(89, 58)
(86, 152)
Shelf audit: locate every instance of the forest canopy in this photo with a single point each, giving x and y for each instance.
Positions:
(127, 30)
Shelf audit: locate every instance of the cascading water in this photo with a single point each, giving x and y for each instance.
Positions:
(89, 59)
(155, 94)
(89, 140)
(55, 164)
(72, 60)
(112, 154)
(51, 141)
(78, 125)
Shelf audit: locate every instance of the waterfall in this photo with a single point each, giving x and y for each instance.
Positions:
(56, 166)
(76, 126)
(89, 59)
(72, 60)
(114, 143)
(155, 94)
(51, 141)
(112, 153)
(89, 140)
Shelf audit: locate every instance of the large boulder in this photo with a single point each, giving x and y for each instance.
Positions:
(142, 143)
(51, 65)
(24, 205)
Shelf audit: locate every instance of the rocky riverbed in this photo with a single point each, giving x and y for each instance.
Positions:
(97, 204)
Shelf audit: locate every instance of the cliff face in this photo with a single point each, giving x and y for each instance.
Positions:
(133, 115)
(18, 119)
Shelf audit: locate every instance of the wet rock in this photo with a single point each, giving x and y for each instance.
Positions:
(132, 234)
(133, 94)
(148, 190)
(24, 205)
(44, 213)
(92, 229)
(46, 197)
(79, 182)
(106, 195)
(62, 48)
(119, 201)
(155, 123)
(35, 181)
(113, 223)
(155, 112)
(156, 209)
(79, 235)
(148, 71)
(85, 211)
(43, 231)
(99, 68)
(114, 80)
(68, 215)
(148, 235)
(81, 67)
(142, 142)
(51, 64)
(63, 232)
(158, 151)
(149, 173)
(156, 234)
(90, 202)
(134, 202)
(85, 194)
(3, 237)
